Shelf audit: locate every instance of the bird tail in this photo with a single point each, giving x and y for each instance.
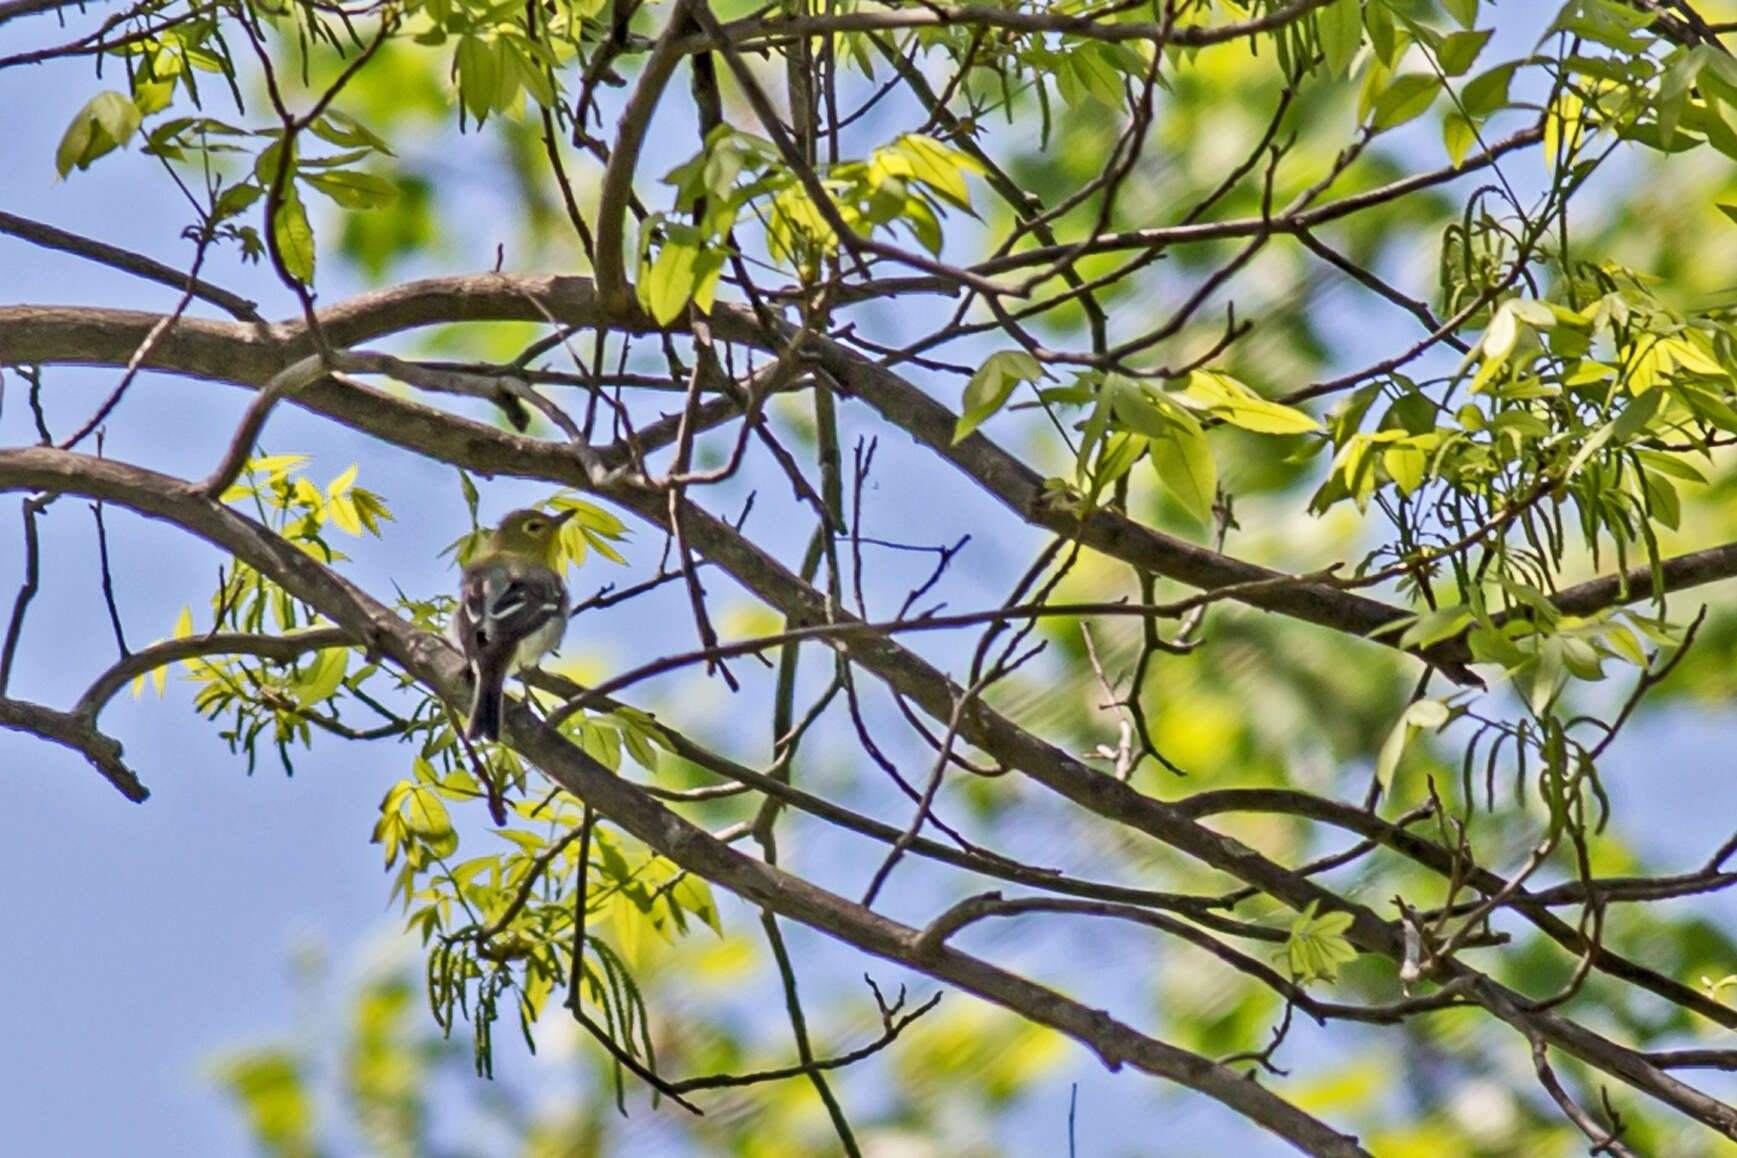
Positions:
(485, 705)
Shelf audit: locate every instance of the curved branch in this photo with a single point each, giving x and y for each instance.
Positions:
(234, 353)
(251, 354)
(438, 666)
(1444, 863)
(278, 648)
(70, 730)
(484, 448)
(903, 671)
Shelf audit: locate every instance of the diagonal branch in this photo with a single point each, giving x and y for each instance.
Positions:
(127, 261)
(434, 663)
(71, 730)
(251, 355)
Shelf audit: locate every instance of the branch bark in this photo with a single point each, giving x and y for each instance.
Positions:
(437, 665)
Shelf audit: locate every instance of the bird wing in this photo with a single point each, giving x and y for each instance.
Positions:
(503, 605)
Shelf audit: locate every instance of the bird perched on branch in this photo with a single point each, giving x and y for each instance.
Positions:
(512, 609)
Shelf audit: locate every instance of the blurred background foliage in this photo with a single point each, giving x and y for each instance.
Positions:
(1265, 703)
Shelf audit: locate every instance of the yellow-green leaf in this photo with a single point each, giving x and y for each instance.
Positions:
(1340, 25)
(107, 122)
(323, 676)
(1433, 626)
(343, 482)
(669, 284)
(1407, 98)
(1459, 51)
(992, 385)
(1392, 748)
(1184, 463)
(939, 167)
(294, 236)
(1405, 465)
(1317, 945)
(352, 189)
(1458, 136)
(1238, 405)
(342, 511)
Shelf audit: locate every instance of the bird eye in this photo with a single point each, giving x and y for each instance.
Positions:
(533, 525)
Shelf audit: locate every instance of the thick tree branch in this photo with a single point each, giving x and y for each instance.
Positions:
(436, 664)
(241, 354)
(979, 725)
(251, 355)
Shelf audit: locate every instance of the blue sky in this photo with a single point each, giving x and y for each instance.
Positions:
(143, 939)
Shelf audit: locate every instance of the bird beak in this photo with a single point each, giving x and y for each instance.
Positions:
(563, 516)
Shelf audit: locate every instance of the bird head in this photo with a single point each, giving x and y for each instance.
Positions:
(529, 534)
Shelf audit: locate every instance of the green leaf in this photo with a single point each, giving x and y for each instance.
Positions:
(692, 893)
(347, 132)
(152, 96)
(1487, 92)
(992, 385)
(1184, 463)
(1501, 334)
(1136, 408)
(1341, 29)
(1533, 312)
(116, 113)
(1434, 626)
(1635, 415)
(939, 167)
(107, 122)
(236, 199)
(294, 236)
(1407, 98)
(322, 676)
(1317, 945)
(1670, 464)
(1392, 748)
(426, 813)
(1674, 87)
(1405, 465)
(1429, 714)
(1121, 451)
(1458, 135)
(1662, 501)
(669, 284)
(1229, 399)
(272, 1094)
(352, 189)
(478, 76)
(1464, 12)
(1382, 37)
(1089, 70)
(639, 747)
(1612, 25)
(341, 509)
(344, 481)
(1459, 51)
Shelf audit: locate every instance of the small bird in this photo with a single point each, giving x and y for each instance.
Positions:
(512, 609)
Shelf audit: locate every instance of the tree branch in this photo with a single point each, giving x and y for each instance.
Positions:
(438, 666)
